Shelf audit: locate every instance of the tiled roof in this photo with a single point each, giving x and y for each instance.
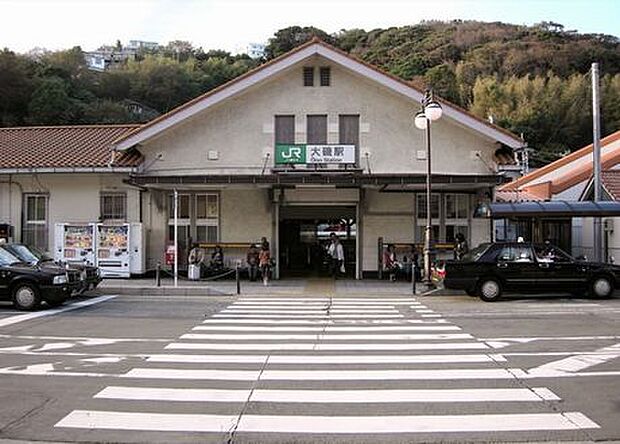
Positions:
(64, 147)
(517, 196)
(610, 180)
(566, 160)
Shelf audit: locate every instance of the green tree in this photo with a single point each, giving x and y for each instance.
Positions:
(50, 103)
(288, 38)
(15, 88)
(443, 81)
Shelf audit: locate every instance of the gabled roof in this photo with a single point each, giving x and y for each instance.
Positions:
(566, 172)
(64, 147)
(610, 182)
(279, 64)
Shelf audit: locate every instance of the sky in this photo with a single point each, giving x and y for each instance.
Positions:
(231, 25)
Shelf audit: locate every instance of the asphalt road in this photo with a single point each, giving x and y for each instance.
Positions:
(359, 368)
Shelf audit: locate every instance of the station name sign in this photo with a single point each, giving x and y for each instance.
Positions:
(308, 154)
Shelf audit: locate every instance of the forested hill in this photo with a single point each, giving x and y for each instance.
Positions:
(531, 80)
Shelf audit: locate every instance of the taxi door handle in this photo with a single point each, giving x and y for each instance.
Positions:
(543, 265)
(502, 265)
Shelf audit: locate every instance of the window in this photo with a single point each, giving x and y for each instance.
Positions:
(456, 215)
(349, 129)
(325, 75)
(515, 254)
(207, 215)
(308, 76)
(198, 218)
(316, 129)
(421, 207)
(549, 253)
(113, 206)
(35, 221)
(285, 129)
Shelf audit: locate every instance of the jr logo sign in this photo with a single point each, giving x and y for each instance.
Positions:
(290, 154)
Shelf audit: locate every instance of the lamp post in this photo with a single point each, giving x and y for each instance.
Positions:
(429, 112)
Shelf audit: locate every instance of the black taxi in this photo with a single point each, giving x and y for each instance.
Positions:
(28, 284)
(492, 268)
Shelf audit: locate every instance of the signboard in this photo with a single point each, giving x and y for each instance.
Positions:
(292, 154)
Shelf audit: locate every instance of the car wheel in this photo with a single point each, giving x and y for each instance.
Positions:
(472, 293)
(490, 290)
(601, 287)
(26, 297)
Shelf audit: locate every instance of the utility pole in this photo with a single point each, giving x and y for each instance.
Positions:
(596, 159)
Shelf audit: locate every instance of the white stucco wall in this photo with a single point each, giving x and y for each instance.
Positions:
(241, 129)
(71, 198)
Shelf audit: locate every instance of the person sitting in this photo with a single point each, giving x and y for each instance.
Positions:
(390, 264)
(217, 259)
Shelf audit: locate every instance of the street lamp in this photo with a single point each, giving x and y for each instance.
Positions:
(429, 112)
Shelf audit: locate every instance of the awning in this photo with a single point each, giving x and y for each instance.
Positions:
(550, 209)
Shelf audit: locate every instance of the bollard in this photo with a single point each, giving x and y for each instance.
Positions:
(158, 274)
(413, 277)
(237, 279)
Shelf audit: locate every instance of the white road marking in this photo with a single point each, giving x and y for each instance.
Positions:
(308, 316)
(328, 396)
(173, 394)
(84, 340)
(384, 375)
(92, 419)
(311, 312)
(326, 347)
(332, 300)
(415, 424)
(528, 339)
(312, 307)
(577, 363)
(430, 316)
(271, 321)
(326, 329)
(209, 359)
(425, 311)
(403, 396)
(173, 373)
(160, 422)
(326, 359)
(326, 337)
(42, 313)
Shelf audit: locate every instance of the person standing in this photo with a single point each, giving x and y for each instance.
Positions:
(390, 263)
(336, 253)
(252, 261)
(460, 247)
(264, 261)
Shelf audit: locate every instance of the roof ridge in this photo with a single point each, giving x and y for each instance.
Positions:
(523, 180)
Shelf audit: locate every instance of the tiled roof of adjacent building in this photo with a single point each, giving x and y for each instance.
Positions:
(564, 173)
(64, 147)
(610, 180)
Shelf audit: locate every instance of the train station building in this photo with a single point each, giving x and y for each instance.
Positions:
(310, 143)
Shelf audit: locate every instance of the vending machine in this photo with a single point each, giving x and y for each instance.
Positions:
(75, 243)
(137, 243)
(113, 249)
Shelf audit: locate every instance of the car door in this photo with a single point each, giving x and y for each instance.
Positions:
(559, 271)
(516, 267)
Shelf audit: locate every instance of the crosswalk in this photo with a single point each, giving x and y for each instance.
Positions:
(345, 366)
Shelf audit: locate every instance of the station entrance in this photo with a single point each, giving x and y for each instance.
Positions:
(304, 236)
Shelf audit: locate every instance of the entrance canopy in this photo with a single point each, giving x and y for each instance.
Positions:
(550, 209)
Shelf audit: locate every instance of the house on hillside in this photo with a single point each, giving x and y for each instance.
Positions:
(311, 143)
(566, 179)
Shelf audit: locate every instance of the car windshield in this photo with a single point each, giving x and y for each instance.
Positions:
(7, 258)
(26, 254)
(476, 253)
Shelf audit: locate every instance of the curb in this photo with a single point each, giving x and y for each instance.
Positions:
(162, 291)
